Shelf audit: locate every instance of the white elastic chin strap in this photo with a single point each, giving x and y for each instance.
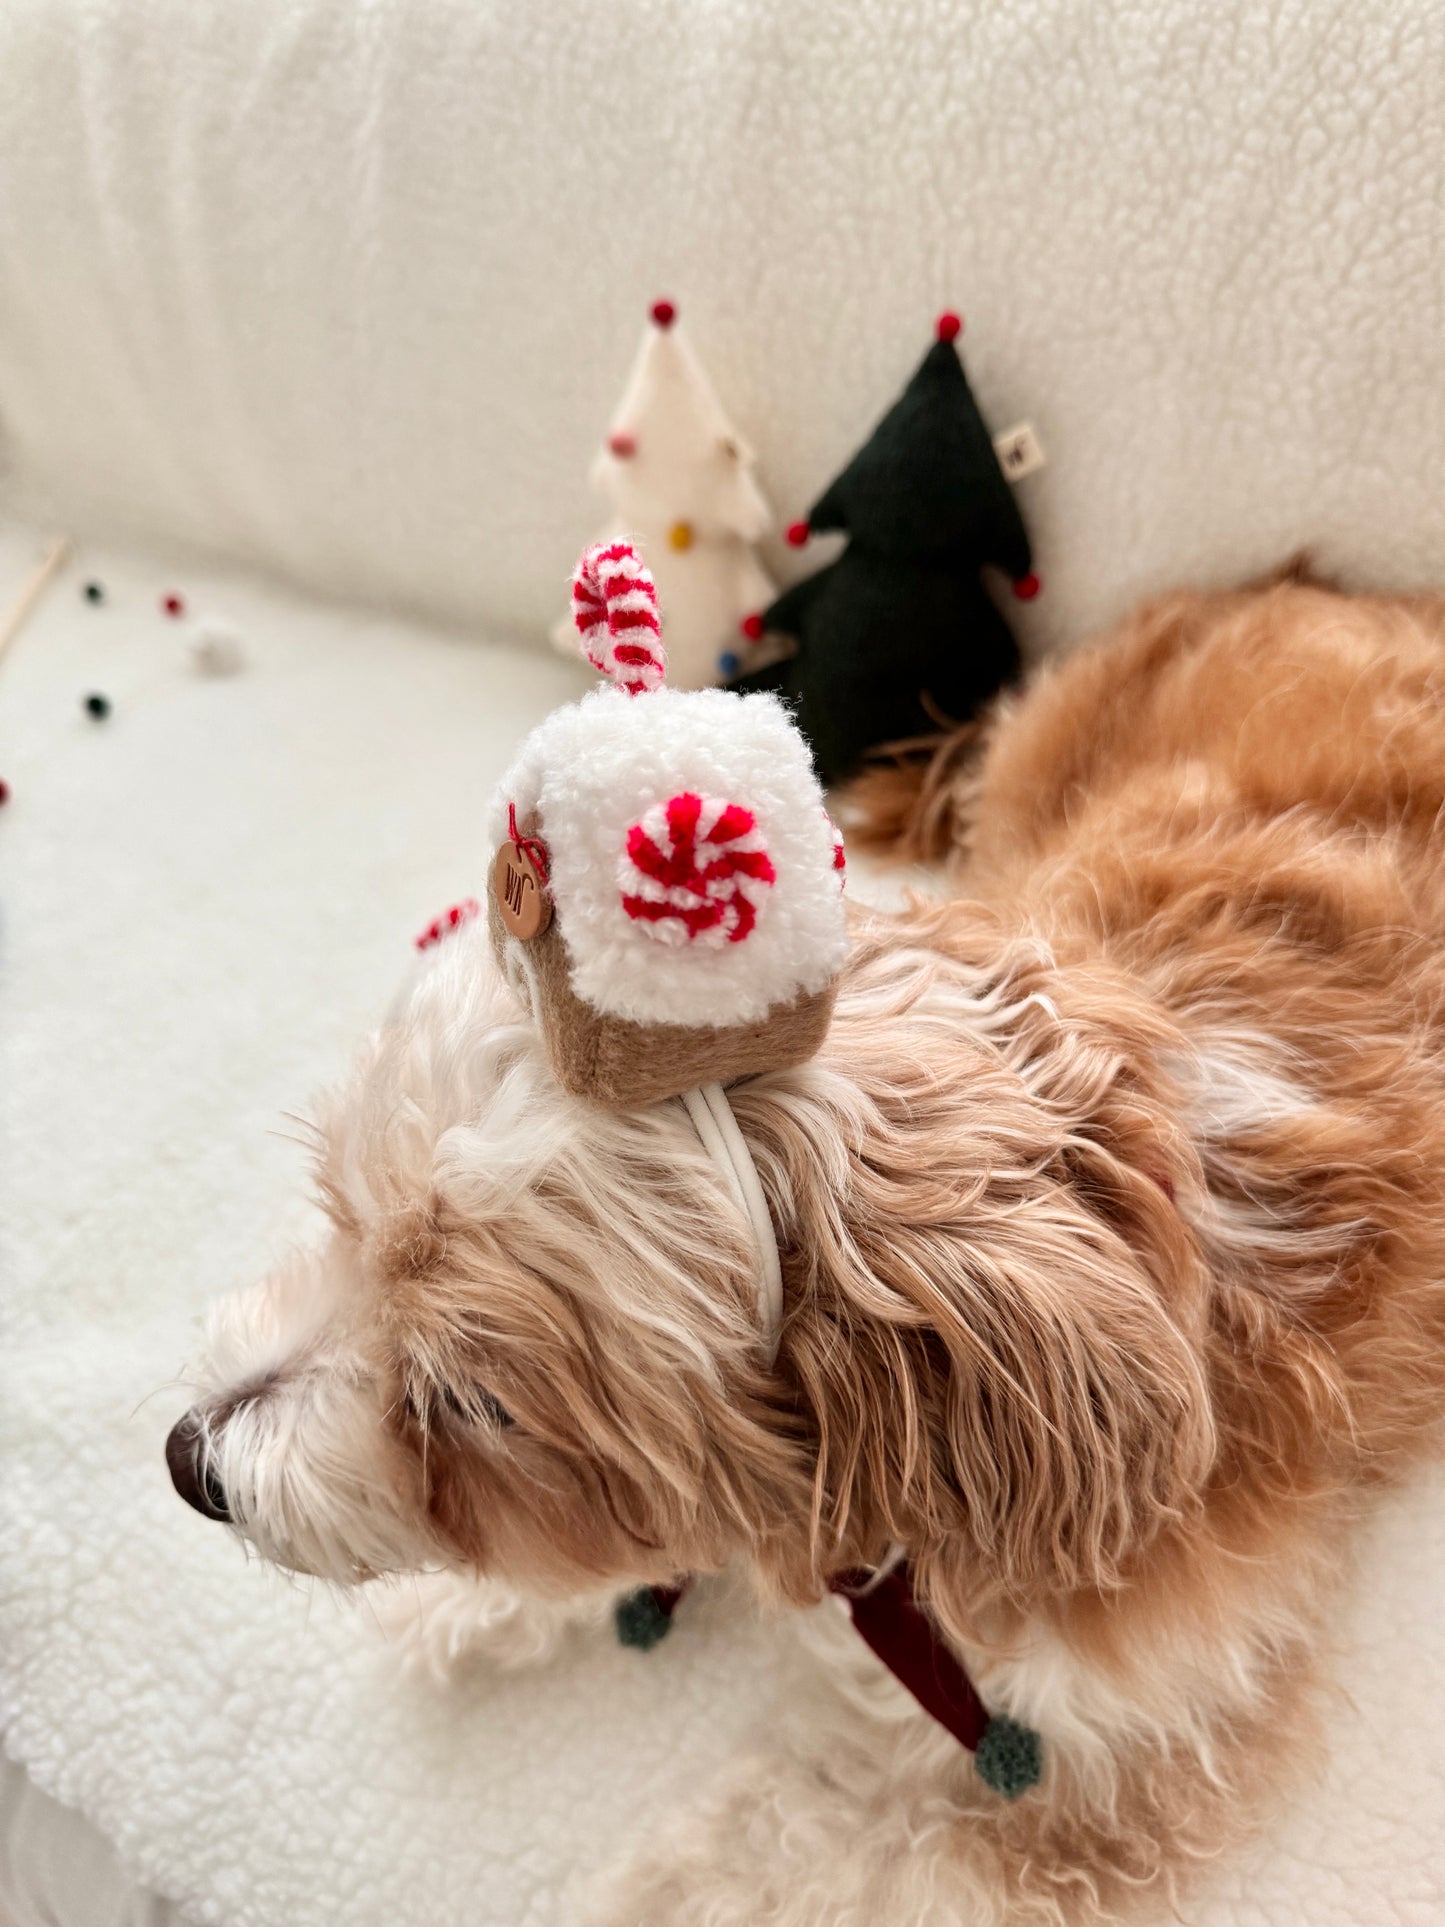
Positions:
(713, 1120)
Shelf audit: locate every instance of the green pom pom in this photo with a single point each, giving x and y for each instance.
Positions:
(640, 1620)
(1010, 1757)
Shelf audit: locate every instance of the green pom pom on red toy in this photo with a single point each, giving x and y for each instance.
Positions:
(1010, 1757)
(644, 1617)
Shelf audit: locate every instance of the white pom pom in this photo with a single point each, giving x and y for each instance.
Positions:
(215, 649)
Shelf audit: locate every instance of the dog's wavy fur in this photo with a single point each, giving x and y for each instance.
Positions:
(1112, 1218)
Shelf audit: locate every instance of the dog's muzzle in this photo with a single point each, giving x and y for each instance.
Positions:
(192, 1472)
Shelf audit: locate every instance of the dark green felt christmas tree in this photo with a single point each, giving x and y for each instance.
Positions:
(900, 630)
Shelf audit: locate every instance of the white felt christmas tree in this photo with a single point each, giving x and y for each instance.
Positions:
(681, 483)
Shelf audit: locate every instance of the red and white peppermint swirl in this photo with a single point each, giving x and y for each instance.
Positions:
(696, 870)
(614, 604)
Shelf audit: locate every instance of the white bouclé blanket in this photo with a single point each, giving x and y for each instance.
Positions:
(208, 898)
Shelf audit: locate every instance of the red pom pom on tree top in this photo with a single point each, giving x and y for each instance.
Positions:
(663, 313)
(950, 326)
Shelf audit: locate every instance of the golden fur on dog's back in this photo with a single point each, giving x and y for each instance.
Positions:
(1212, 848)
(1240, 803)
(1237, 800)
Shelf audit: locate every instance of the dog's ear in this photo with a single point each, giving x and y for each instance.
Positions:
(1078, 1419)
(1023, 1403)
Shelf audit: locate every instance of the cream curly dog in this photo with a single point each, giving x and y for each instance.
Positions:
(1112, 1222)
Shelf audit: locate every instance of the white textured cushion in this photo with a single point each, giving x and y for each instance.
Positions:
(354, 290)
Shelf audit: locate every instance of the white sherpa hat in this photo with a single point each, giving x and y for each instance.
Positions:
(667, 885)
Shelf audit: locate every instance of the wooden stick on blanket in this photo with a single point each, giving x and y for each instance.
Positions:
(20, 610)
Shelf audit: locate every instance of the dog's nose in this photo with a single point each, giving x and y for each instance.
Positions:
(192, 1473)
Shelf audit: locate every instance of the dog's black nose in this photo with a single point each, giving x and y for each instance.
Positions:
(192, 1473)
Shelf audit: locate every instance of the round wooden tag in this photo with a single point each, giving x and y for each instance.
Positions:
(522, 897)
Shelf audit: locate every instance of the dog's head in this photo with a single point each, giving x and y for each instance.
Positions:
(529, 1341)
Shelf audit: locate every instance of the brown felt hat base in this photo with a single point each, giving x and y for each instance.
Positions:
(622, 1064)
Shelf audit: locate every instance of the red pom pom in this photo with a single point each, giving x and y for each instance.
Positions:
(1027, 587)
(452, 919)
(752, 627)
(173, 604)
(796, 534)
(4, 791)
(663, 313)
(622, 446)
(950, 326)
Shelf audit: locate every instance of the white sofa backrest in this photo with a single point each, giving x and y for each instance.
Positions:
(350, 291)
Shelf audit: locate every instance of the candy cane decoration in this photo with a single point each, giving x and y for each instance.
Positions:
(614, 604)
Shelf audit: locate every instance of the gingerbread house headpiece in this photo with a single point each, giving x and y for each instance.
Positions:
(667, 888)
